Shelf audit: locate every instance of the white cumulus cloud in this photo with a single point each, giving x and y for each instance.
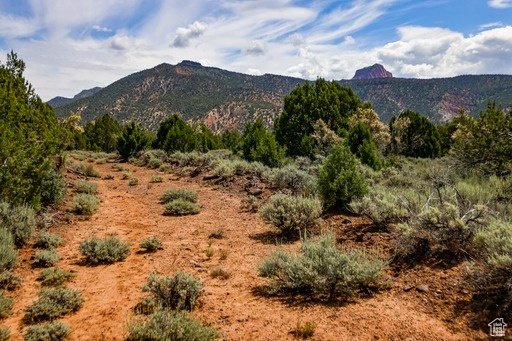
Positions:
(500, 3)
(185, 34)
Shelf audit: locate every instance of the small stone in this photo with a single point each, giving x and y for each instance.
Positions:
(422, 288)
(408, 288)
(194, 263)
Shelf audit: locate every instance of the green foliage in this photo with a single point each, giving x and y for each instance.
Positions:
(151, 244)
(382, 205)
(361, 145)
(5, 305)
(291, 213)
(156, 178)
(180, 207)
(152, 159)
(52, 331)
(85, 204)
(304, 330)
(179, 193)
(54, 277)
(52, 304)
(5, 334)
(259, 144)
(339, 179)
(19, 220)
(321, 269)
(90, 171)
(46, 258)
(414, 135)
(206, 140)
(103, 134)
(104, 251)
(133, 182)
(231, 139)
(164, 325)
(8, 252)
(10, 280)
(174, 134)
(291, 178)
(179, 292)
(486, 143)
(53, 189)
(46, 240)
(251, 203)
(132, 140)
(86, 187)
(308, 103)
(29, 136)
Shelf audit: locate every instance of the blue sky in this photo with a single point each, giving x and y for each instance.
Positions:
(72, 45)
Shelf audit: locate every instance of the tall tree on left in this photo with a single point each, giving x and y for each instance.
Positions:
(29, 136)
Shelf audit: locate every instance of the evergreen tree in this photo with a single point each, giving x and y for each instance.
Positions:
(206, 140)
(174, 134)
(361, 144)
(132, 140)
(29, 136)
(259, 144)
(414, 135)
(486, 143)
(232, 140)
(308, 103)
(103, 134)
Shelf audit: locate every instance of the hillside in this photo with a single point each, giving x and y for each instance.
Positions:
(222, 98)
(60, 101)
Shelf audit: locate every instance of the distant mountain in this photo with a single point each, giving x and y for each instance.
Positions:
(225, 99)
(372, 72)
(60, 101)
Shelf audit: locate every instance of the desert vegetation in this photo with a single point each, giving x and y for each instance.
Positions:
(370, 208)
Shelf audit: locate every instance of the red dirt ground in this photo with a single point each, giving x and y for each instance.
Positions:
(232, 306)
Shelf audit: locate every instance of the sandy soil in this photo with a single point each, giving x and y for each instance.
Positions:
(232, 306)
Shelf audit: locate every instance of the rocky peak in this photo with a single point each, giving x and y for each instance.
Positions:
(371, 72)
(189, 63)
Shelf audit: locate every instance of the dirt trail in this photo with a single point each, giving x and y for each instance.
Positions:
(230, 306)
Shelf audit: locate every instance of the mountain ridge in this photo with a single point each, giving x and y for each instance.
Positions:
(226, 99)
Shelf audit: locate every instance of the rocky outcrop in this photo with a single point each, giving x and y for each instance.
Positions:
(371, 72)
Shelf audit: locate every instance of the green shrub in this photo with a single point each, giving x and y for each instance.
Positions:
(86, 187)
(133, 182)
(132, 140)
(224, 169)
(53, 331)
(85, 204)
(90, 171)
(9, 280)
(156, 178)
(217, 234)
(382, 206)
(5, 305)
(54, 277)
(151, 158)
(52, 304)
(291, 178)
(20, 220)
(104, 251)
(151, 244)
(179, 292)
(101, 161)
(108, 176)
(322, 269)
(339, 180)
(259, 144)
(304, 330)
(180, 207)
(165, 168)
(46, 240)
(46, 258)
(251, 203)
(179, 193)
(165, 325)
(5, 334)
(220, 273)
(289, 213)
(126, 175)
(53, 188)
(8, 252)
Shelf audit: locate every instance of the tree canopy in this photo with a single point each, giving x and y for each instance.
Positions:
(29, 136)
(308, 103)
